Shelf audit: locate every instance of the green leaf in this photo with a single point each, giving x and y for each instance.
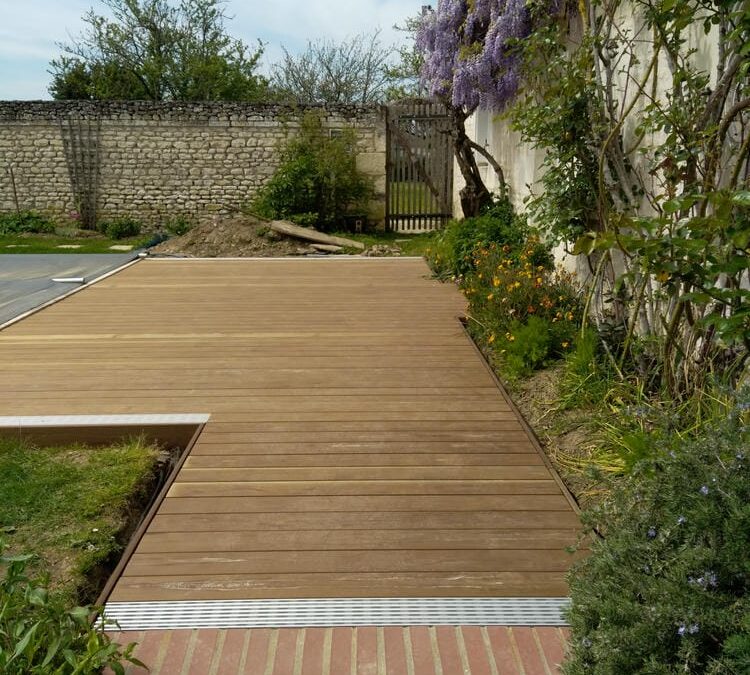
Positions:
(7, 559)
(585, 244)
(69, 657)
(52, 651)
(671, 206)
(741, 198)
(24, 642)
(80, 614)
(38, 596)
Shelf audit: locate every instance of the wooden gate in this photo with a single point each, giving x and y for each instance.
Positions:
(419, 185)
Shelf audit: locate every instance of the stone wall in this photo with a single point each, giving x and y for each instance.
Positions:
(155, 161)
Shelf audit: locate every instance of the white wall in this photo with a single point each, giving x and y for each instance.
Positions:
(522, 163)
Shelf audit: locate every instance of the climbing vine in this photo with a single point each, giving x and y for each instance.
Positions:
(646, 139)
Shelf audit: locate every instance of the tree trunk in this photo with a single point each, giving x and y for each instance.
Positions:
(474, 195)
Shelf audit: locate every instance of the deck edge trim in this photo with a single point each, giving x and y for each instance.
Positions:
(149, 419)
(467, 611)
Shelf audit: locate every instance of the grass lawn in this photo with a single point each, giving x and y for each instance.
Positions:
(409, 197)
(69, 505)
(410, 244)
(51, 243)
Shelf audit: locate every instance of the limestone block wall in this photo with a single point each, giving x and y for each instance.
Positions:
(154, 161)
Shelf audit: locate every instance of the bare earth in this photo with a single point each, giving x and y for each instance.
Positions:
(235, 237)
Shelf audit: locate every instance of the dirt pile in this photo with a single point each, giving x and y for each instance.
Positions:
(238, 236)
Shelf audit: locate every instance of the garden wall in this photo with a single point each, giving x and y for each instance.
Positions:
(154, 161)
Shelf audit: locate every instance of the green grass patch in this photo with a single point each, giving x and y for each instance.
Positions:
(406, 197)
(70, 506)
(410, 244)
(41, 243)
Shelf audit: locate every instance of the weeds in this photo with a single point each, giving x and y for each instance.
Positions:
(39, 634)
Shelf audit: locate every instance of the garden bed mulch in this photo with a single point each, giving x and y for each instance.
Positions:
(564, 434)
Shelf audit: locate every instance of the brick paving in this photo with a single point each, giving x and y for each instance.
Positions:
(368, 650)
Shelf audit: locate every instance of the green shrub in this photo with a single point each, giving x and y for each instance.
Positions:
(530, 347)
(521, 307)
(24, 222)
(458, 247)
(120, 228)
(318, 180)
(179, 225)
(666, 590)
(39, 635)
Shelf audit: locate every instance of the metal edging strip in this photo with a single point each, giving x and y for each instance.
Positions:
(132, 616)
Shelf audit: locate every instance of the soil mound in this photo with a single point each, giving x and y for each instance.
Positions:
(232, 237)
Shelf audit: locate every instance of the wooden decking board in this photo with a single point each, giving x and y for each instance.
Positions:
(374, 473)
(341, 562)
(344, 585)
(521, 521)
(358, 502)
(358, 445)
(361, 488)
(356, 540)
(342, 460)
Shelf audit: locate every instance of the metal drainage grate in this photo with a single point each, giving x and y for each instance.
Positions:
(338, 612)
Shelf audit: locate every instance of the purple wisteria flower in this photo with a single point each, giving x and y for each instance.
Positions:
(469, 50)
(651, 532)
(704, 490)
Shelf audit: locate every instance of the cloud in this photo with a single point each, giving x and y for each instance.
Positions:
(31, 30)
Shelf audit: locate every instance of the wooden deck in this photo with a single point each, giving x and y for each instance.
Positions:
(358, 445)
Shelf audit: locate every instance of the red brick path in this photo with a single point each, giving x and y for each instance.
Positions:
(369, 650)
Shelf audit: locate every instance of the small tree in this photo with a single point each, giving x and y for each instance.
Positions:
(352, 71)
(405, 74)
(317, 182)
(154, 51)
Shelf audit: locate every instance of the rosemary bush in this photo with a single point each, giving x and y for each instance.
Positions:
(666, 590)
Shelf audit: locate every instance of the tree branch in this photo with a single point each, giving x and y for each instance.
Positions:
(494, 164)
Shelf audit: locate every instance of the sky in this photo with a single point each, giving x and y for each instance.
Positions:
(30, 30)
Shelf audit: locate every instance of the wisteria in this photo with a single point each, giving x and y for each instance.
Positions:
(469, 53)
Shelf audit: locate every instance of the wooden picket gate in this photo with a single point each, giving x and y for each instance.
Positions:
(419, 182)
